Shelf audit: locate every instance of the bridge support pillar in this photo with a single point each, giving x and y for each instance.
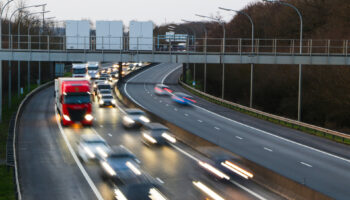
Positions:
(251, 85)
(300, 91)
(120, 70)
(1, 90)
(184, 69)
(39, 73)
(28, 74)
(223, 81)
(10, 82)
(18, 78)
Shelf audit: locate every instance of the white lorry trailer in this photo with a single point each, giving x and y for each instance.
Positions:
(109, 35)
(141, 36)
(77, 34)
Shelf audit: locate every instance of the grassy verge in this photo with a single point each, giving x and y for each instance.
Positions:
(275, 121)
(6, 174)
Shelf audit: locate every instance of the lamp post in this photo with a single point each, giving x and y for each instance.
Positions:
(223, 50)
(252, 64)
(300, 49)
(2, 9)
(10, 46)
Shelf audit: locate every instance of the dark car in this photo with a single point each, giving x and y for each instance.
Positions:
(144, 191)
(156, 134)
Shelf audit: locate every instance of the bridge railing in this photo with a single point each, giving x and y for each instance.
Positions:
(198, 45)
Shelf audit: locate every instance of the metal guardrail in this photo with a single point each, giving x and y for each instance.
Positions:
(275, 117)
(310, 47)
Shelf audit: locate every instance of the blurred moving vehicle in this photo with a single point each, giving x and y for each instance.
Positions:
(134, 117)
(73, 100)
(120, 165)
(103, 92)
(92, 147)
(161, 89)
(137, 191)
(93, 68)
(115, 74)
(79, 70)
(182, 98)
(107, 100)
(156, 134)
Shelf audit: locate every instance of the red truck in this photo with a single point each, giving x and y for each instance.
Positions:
(73, 100)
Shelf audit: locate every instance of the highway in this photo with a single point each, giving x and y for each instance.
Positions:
(50, 169)
(264, 143)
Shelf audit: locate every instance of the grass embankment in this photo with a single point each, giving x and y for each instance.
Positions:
(275, 121)
(7, 183)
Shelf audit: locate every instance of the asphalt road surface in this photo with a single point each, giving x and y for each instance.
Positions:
(302, 158)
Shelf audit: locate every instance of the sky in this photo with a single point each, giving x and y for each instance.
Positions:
(158, 11)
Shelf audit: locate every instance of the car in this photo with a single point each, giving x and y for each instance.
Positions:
(134, 118)
(107, 100)
(103, 92)
(182, 98)
(161, 89)
(92, 147)
(120, 166)
(156, 134)
(145, 191)
(115, 74)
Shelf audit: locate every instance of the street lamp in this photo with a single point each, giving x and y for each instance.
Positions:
(223, 50)
(300, 49)
(1, 12)
(252, 64)
(19, 9)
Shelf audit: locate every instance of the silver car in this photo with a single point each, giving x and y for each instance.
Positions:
(92, 147)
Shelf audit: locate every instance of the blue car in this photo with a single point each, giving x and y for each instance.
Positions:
(182, 98)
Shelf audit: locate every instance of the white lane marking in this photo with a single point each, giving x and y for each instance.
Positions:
(170, 73)
(175, 109)
(166, 104)
(101, 126)
(160, 101)
(138, 161)
(306, 164)
(233, 182)
(160, 180)
(276, 136)
(267, 149)
(77, 161)
(186, 114)
(200, 121)
(239, 138)
(217, 128)
(110, 135)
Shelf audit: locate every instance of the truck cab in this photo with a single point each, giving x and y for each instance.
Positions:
(73, 101)
(79, 70)
(93, 68)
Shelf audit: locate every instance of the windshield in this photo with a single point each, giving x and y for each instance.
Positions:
(79, 71)
(103, 87)
(90, 68)
(95, 142)
(107, 97)
(105, 92)
(77, 98)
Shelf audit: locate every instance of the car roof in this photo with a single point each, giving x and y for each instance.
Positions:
(137, 191)
(162, 85)
(182, 94)
(134, 110)
(92, 137)
(155, 126)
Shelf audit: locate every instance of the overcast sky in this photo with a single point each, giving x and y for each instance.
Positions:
(159, 11)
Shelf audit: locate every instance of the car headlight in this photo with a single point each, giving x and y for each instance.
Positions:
(89, 152)
(144, 119)
(149, 138)
(128, 120)
(108, 168)
(119, 195)
(89, 117)
(66, 117)
(101, 101)
(113, 101)
(97, 76)
(168, 137)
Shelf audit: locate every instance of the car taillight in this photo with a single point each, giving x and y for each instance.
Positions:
(168, 90)
(190, 99)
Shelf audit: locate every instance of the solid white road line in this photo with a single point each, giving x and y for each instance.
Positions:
(267, 149)
(306, 164)
(77, 161)
(170, 73)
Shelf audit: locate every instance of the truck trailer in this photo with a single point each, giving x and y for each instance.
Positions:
(73, 101)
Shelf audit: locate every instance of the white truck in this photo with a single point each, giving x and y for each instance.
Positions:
(109, 35)
(93, 68)
(79, 70)
(141, 36)
(77, 34)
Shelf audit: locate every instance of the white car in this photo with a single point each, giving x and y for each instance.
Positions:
(161, 89)
(92, 147)
(134, 117)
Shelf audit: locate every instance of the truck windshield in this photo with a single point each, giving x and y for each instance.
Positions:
(79, 71)
(77, 98)
(92, 68)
